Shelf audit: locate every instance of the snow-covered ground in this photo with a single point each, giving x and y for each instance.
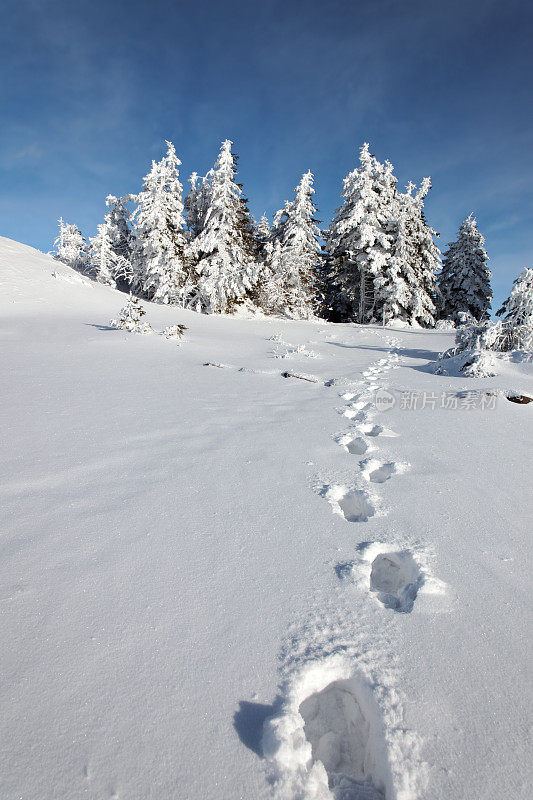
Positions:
(219, 583)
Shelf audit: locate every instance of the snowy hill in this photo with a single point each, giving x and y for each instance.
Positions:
(219, 583)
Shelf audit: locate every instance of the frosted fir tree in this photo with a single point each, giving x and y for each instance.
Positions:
(359, 239)
(270, 292)
(247, 228)
(101, 256)
(160, 268)
(464, 281)
(196, 203)
(110, 249)
(424, 255)
(516, 326)
(478, 342)
(174, 331)
(225, 266)
(263, 241)
(263, 229)
(71, 247)
(130, 317)
(396, 285)
(294, 263)
(405, 289)
(121, 237)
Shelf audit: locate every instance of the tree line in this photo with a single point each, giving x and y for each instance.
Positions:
(377, 261)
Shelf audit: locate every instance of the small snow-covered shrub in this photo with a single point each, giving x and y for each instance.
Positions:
(401, 323)
(477, 343)
(445, 325)
(473, 335)
(472, 363)
(295, 350)
(471, 355)
(276, 337)
(480, 364)
(175, 331)
(130, 317)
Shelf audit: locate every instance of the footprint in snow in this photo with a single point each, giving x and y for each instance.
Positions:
(339, 733)
(396, 579)
(354, 505)
(355, 445)
(378, 471)
(361, 404)
(376, 430)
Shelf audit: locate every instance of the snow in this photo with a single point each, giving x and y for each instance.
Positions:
(217, 583)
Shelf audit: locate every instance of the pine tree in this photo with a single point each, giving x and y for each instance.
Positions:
(262, 235)
(101, 256)
(381, 256)
(517, 314)
(130, 317)
(395, 286)
(160, 266)
(263, 229)
(246, 224)
(424, 256)
(196, 203)
(359, 239)
(464, 281)
(110, 249)
(71, 247)
(270, 291)
(223, 260)
(294, 262)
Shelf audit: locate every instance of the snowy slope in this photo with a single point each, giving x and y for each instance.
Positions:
(217, 583)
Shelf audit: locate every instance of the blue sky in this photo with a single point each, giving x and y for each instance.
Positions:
(89, 91)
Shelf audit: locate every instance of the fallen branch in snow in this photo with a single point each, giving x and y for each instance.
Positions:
(300, 378)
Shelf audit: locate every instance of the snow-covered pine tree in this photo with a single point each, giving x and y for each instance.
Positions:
(359, 239)
(101, 256)
(295, 253)
(226, 268)
(122, 238)
(464, 281)
(396, 285)
(196, 203)
(263, 239)
(263, 229)
(190, 205)
(160, 266)
(269, 292)
(517, 314)
(246, 224)
(130, 317)
(110, 249)
(71, 247)
(424, 256)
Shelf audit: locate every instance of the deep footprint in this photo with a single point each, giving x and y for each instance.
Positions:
(376, 472)
(356, 446)
(339, 732)
(396, 579)
(376, 430)
(355, 506)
